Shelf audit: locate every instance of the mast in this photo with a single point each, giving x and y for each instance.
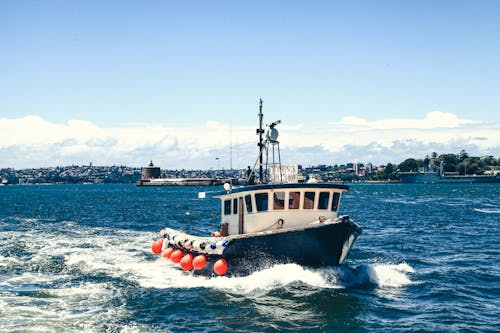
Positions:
(230, 148)
(260, 131)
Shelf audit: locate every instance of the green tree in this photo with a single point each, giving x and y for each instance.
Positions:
(410, 164)
(489, 160)
(450, 162)
(463, 155)
(426, 162)
(472, 165)
(389, 168)
(388, 173)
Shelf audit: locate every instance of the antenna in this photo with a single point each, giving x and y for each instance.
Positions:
(260, 131)
(230, 147)
(271, 137)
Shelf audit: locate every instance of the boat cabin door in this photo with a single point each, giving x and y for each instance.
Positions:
(240, 216)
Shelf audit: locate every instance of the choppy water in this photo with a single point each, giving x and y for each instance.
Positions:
(76, 258)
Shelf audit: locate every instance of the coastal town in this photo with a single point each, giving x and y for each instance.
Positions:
(459, 164)
(81, 174)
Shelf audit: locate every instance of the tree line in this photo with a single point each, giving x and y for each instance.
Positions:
(461, 164)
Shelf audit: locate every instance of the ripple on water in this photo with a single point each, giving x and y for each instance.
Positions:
(426, 261)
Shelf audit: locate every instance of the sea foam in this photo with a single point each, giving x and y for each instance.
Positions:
(163, 274)
(487, 210)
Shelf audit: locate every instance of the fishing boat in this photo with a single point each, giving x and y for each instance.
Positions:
(267, 221)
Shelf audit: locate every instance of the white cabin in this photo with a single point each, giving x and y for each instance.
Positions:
(252, 209)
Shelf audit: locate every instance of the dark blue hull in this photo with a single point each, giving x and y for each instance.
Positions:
(313, 246)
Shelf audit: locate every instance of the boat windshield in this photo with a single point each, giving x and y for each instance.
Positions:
(261, 201)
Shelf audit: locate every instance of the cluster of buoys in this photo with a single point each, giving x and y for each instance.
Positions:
(187, 261)
(192, 243)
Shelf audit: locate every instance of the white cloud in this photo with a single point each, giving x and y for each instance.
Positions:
(32, 141)
(434, 119)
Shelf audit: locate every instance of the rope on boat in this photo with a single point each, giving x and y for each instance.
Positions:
(269, 227)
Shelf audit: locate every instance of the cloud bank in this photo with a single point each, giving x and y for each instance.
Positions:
(32, 141)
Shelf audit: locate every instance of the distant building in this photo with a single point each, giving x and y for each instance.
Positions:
(150, 172)
(369, 168)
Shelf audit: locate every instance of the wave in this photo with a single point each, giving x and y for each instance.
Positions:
(383, 275)
(166, 275)
(65, 279)
(487, 210)
(125, 254)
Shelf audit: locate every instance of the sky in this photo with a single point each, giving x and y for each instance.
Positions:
(178, 82)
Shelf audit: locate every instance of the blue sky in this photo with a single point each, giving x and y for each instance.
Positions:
(123, 64)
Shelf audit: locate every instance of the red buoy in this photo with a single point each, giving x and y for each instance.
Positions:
(167, 253)
(187, 262)
(220, 267)
(199, 262)
(156, 246)
(176, 256)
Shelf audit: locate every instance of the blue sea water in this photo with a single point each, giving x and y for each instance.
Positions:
(77, 258)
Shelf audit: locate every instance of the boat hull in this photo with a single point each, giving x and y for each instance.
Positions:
(315, 245)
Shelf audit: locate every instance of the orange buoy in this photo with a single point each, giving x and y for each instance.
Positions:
(199, 262)
(167, 253)
(156, 246)
(220, 267)
(187, 262)
(176, 256)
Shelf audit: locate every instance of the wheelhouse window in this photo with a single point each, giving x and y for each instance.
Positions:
(261, 201)
(324, 198)
(235, 206)
(278, 200)
(294, 200)
(248, 203)
(227, 207)
(336, 198)
(309, 200)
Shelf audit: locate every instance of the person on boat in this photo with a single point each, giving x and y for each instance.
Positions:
(250, 176)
